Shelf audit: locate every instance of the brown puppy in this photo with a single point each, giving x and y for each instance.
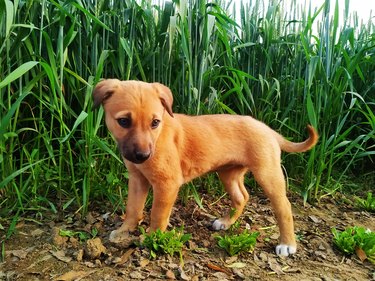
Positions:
(165, 150)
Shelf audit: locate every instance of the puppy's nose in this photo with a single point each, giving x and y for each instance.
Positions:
(141, 156)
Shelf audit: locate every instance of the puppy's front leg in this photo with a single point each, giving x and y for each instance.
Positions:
(137, 193)
(164, 199)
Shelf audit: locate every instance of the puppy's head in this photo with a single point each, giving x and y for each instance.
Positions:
(134, 113)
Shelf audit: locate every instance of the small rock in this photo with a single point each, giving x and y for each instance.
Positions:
(37, 232)
(221, 276)
(79, 256)
(106, 216)
(206, 243)
(94, 248)
(199, 266)
(144, 262)
(90, 218)
(112, 260)
(315, 219)
(74, 242)
(170, 275)
(275, 266)
(195, 278)
(98, 226)
(231, 259)
(136, 275)
(57, 239)
(263, 256)
(192, 245)
(20, 254)
(321, 247)
(89, 264)
(172, 265)
(78, 216)
(98, 263)
(239, 273)
(183, 274)
(60, 255)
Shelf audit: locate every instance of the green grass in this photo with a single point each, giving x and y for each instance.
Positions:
(167, 242)
(356, 240)
(82, 236)
(234, 244)
(55, 152)
(367, 204)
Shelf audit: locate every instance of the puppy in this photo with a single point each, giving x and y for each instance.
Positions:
(165, 150)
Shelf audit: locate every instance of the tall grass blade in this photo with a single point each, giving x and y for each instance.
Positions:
(17, 73)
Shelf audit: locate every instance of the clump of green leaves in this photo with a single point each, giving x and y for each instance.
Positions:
(356, 240)
(235, 243)
(367, 204)
(80, 235)
(167, 242)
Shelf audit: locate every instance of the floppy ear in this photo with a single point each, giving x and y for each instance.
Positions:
(166, 97)
(104, 90)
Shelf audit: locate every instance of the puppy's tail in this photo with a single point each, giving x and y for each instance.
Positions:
(289, 146)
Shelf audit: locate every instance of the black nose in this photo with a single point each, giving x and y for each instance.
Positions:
(141, 156)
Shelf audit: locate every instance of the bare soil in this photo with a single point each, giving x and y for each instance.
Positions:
(36, 251)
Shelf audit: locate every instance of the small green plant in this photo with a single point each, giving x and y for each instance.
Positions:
(354, 240)
(367, 204)
(235, 226)
(235, 243)
(167, 242)
(81, 235)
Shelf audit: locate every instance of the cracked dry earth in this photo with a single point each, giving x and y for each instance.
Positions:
(37, 252)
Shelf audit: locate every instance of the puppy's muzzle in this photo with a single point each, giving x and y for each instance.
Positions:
(137, 156)
(141, 156)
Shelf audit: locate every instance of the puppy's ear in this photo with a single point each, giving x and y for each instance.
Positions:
(166, 97)
(104, 90)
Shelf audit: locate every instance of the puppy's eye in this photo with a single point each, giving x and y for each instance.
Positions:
(124, 122)
(155, 123)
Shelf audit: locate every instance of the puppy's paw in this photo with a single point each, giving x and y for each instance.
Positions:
(285, 250)
(117, 235)
(122, 238)
(219, 225)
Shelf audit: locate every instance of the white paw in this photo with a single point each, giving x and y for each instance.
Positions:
(218, 225)
(122, 238)
(113, 236)
(285, 250)
(118, 236)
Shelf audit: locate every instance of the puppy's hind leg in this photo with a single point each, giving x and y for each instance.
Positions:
(234, 186)
(271, 179)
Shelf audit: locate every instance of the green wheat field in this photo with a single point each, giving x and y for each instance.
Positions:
(288, 66)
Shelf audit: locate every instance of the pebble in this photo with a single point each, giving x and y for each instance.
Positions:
(79, 256)
(170, 275)
(136, 275)
(94, 248)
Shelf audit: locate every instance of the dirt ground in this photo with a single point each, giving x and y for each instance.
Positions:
(37, 252)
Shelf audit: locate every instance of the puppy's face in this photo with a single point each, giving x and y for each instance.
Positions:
(134, 113)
